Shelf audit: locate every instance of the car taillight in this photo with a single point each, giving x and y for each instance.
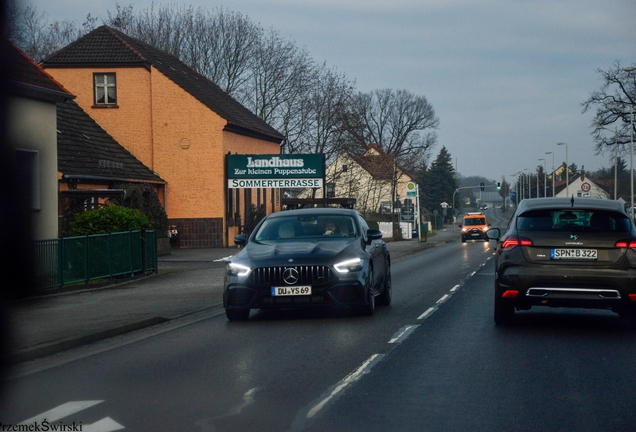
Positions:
(511, 242)
(626, 244)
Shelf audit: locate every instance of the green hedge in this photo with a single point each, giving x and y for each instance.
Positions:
(112, 218)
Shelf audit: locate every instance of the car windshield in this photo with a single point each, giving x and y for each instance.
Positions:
(474, 221)
(573, 220)
(294, 227)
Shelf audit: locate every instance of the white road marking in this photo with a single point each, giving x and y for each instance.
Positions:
(61, 411)
(104, 425)
(472, 274)
(428, 312)
(349, 379)
(403, 333)
(455, 288)
(69, 408)
(443, 299)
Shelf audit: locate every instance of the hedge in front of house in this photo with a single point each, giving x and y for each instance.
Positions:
(108, 219)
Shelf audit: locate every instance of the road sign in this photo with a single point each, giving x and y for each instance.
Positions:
(586, 187)
(411, 189)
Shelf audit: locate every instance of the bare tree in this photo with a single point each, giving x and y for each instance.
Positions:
(281, 75)
(613, 103)
(320, 125)
(32, 33)
(399, 122)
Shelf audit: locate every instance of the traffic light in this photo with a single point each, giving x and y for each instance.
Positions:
(498, 185)
(481, 186)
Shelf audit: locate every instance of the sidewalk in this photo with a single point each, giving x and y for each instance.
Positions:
(190, 280)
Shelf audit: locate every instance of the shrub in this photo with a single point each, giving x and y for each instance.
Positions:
(145, 200)
(111, 218)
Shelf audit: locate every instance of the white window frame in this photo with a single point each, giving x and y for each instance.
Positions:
(105, 86)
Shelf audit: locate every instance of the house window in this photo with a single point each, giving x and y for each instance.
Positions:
(331, 190)
(29, 170)
(105, 89)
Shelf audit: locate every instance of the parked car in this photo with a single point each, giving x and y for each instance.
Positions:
(308, 257)
(562, 252)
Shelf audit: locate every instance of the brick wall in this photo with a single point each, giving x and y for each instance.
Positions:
(199, 233)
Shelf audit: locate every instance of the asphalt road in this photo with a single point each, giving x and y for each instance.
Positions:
(433, 360)
(217, 375)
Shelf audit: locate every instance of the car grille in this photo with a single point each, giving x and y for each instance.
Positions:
(307, 275)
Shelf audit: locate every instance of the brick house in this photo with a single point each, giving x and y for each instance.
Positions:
(176, 122)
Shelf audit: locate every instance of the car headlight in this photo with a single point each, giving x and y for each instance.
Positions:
(347, 266)
(484, 229)
(234, 269)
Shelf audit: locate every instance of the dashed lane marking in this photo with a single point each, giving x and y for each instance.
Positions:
(348, 380)
(402, 334)
(443, 299)
(426, 314)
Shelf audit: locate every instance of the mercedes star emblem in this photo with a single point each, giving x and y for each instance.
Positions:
(291, 276)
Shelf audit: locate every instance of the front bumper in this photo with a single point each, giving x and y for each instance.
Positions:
(241, 296)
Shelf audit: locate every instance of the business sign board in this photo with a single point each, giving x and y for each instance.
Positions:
(275, 171)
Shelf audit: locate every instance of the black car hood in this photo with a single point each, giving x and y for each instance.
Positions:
(301, 252)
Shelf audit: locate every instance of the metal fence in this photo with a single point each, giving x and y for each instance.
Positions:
(73, 260)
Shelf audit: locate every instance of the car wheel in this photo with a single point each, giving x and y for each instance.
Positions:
(463, 239)
(504, 311)
(237, 314)
(369, 308)
(387, 295)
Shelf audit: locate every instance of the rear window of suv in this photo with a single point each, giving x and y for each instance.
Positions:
(573, 220)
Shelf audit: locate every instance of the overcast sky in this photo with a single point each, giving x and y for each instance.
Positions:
(506, 78)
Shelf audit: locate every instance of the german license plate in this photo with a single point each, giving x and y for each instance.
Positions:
(573, 254)
(291, 291)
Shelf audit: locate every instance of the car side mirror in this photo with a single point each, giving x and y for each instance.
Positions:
(493, 234)
(240, 239)
(459, 225)
(373, 235)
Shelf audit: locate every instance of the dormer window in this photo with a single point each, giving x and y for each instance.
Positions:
(105, 89)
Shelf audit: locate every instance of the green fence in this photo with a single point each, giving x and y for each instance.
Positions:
(73, 260)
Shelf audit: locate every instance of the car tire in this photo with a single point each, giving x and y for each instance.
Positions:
(237, 314)
(369, 308)
(463, 239)
(385, 298)
(504, 311)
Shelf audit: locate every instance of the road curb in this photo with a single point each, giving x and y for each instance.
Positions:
(43, 350)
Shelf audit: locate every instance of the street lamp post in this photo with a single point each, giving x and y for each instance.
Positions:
(552, 172)
(567, 170)
(615, 157)
(545, 180)
(516, 187)
(529, 183)
(631, 147)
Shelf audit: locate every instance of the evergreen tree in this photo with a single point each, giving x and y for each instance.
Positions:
(441, 182)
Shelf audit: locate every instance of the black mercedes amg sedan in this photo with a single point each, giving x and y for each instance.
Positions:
(308, 257)
(566, 252)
